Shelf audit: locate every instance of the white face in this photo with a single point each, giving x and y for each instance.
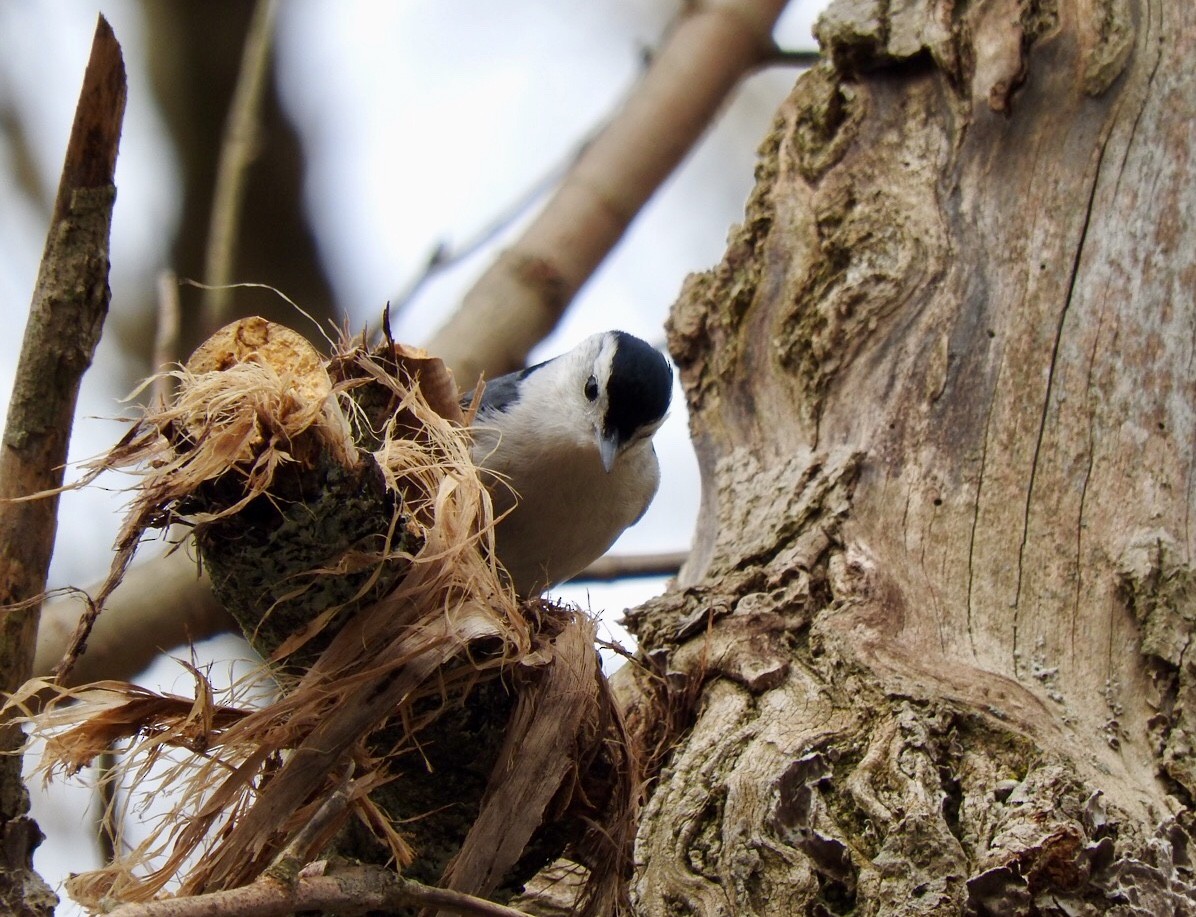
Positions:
(580, 383)
(594, 389)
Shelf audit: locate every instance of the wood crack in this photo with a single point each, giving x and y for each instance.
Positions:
(1050, 385)
(976, 517)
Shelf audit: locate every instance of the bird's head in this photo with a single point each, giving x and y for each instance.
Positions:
(623, 386)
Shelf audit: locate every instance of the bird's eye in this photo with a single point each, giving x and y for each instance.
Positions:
(591, 389)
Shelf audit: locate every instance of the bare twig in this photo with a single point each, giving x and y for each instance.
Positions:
(67, 312)
(160, 604)
(236, 154)
(351, 891)
(525, 292)
(106, 821)
(443, 255)
(793, 58)
(65, 317)
(287, 864)
(166, 334)
(631, 566)
(165, 602)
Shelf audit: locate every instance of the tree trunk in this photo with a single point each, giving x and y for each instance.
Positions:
(941, 394)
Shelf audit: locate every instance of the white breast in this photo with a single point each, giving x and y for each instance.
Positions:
(569, 510)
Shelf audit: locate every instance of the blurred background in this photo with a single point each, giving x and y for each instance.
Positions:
(389, 128)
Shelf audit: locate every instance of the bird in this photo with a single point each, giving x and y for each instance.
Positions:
(565, 450)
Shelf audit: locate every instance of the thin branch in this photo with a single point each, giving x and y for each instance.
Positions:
(160, 604)
(350, 891)
(166, 334)
(66, 314)
(792, 58)
(69, 304)
(287, 864)
(444, 256)
(236, 154)
(107, 822)
(524, 293)
(631, 566)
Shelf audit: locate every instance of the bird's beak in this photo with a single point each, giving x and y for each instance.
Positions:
(608, 448)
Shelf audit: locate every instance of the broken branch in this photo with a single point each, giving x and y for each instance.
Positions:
(352, 891)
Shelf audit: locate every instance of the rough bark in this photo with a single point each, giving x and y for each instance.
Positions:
(940, 387)
(70, 301)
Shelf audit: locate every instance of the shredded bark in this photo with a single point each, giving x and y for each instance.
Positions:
(344, 525)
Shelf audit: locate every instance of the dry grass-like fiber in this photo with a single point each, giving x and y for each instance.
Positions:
(256, 426)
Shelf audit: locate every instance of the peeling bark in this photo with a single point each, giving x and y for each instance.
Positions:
(940, 393)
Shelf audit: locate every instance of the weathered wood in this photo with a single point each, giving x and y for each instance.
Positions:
(941, 397)
(70, 301)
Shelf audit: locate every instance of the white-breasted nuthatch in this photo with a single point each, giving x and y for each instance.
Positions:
(565, 449)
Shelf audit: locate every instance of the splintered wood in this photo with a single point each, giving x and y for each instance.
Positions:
(336, 507)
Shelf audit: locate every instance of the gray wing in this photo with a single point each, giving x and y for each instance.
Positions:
(499, 394)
